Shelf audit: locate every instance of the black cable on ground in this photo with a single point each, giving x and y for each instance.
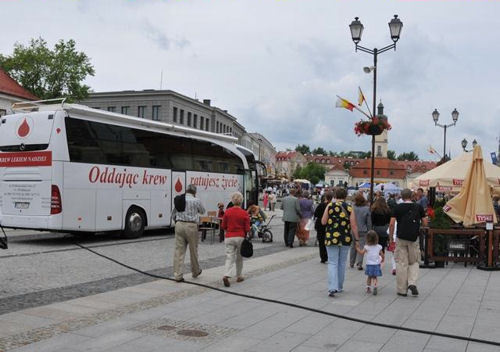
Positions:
(314, 310)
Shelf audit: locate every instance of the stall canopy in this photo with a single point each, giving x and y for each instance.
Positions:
(364, 185)
(388, 188)
(473, 204)
(450, 176)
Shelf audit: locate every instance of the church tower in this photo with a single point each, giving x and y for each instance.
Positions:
(381, 141)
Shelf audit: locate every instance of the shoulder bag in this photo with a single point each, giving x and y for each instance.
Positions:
(246, 249)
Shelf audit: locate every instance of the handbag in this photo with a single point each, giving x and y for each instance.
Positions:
(309, 225)
(246, 249)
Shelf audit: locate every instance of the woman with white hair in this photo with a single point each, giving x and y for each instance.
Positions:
(236, 223)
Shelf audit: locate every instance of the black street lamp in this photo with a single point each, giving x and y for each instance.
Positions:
(465, 142)
(356, 27)
(435, 117)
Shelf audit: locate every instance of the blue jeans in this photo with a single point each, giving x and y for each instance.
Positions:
(337, 259)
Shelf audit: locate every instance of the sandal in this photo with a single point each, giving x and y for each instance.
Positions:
(225, 279)
(240, 279)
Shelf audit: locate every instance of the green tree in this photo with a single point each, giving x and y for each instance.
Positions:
(312, 172)
(319, 150)
(50, 73)
(391, 154)
(304, 149)
(411, 156)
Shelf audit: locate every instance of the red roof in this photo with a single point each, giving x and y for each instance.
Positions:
(10, 87)
(384, 168)
(285, 155)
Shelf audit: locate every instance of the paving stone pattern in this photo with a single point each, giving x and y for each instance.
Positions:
(44, 297)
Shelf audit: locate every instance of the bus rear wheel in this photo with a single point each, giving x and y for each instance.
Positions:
(135, 221)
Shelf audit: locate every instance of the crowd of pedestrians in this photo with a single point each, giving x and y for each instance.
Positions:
(355, 231)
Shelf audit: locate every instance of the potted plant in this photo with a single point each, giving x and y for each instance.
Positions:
(372, 127)
(440, 244)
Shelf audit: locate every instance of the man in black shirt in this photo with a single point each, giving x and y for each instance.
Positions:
(409, 217)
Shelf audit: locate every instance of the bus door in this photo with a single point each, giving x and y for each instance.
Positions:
(178, 186)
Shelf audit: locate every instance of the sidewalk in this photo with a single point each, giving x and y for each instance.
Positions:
(168, 316)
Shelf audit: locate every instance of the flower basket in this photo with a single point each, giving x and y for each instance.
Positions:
(372, 127)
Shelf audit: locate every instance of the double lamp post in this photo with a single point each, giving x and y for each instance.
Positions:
(356, 27)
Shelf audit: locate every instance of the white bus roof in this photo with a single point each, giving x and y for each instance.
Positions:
(84, 110)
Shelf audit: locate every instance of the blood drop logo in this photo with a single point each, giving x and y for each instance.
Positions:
(178, 186)
(24, 127)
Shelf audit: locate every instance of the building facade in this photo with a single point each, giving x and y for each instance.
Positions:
(262, 149)
(11, 92)
(287, 162)
(170, 107)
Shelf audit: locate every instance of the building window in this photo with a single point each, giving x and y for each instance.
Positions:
(378, 172)
(207, 125)
(195, 121)
(379, 150)
(156, 113)
(365, 172)
(189, 119)
(201, 122)
(175, 115)
(181, 117)
(96, 107)
(141, 111)
(125, 110)
(111, 108)
(216, 126)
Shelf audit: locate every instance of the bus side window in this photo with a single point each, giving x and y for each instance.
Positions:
(82, 145)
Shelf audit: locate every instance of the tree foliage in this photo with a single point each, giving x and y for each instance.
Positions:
(50, 73)
(319, 150)
(303, 148)
(391, 155)
(312, 172)
(411, 156)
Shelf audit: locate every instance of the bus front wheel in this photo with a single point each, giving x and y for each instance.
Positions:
(135, 221)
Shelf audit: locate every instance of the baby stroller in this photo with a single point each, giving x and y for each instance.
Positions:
(263, 231)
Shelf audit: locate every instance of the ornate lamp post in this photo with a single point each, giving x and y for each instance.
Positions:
(356, 27)
(465, 142)
(435, 117)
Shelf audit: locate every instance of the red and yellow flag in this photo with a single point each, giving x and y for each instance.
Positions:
(361, 97)
(343, 103)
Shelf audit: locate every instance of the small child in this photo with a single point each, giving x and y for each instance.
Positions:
(374, 260)
(220, 215)
(255, 219)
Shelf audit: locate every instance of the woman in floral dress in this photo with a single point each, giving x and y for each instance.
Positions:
(339, 220)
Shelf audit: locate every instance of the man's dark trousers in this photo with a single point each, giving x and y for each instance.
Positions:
(289, 234)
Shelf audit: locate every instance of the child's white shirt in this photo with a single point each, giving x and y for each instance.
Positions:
(373, 254)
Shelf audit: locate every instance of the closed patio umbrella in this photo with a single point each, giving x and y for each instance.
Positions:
(473, 204)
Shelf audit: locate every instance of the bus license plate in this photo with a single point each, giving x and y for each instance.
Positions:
(22, 205)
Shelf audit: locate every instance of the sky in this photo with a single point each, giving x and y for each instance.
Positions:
(278, 65)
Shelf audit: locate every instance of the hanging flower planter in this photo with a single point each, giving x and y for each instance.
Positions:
(372, 127)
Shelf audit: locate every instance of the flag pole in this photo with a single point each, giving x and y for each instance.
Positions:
(355, 107)
(366, 103)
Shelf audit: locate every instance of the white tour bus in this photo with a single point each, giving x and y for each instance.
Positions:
(70, 168)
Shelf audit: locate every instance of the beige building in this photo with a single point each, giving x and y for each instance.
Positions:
(337, 175)
(262, 149)
(287, 162)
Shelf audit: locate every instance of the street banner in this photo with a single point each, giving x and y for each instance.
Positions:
(494, 159)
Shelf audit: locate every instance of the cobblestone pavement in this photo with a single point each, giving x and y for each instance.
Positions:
(43, 268)
(456, 300)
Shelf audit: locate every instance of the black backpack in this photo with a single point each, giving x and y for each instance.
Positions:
(180, 202)
(410, 222)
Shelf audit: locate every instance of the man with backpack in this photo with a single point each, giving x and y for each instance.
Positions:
(409, 216)
(186, 214)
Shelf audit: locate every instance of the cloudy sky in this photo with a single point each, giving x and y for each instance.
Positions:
(277, 65)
